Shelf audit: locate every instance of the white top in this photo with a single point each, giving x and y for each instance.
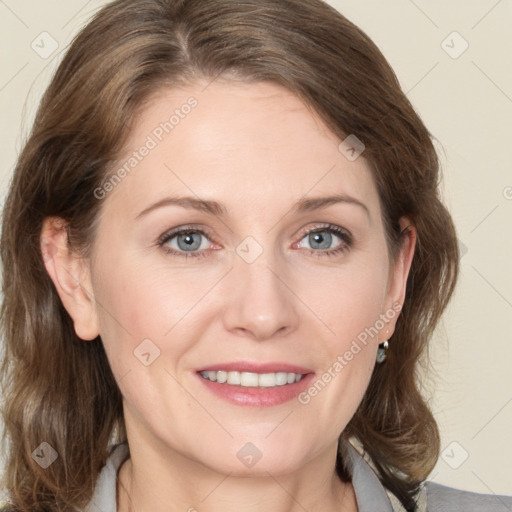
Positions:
(370, 494)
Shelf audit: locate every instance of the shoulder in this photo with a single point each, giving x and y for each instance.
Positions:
(441, 498)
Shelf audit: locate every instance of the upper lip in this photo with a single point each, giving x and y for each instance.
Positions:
(252, 367)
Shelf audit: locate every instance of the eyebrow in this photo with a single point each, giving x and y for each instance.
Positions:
(219, 210)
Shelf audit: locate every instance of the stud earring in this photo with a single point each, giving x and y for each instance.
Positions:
(381, 353)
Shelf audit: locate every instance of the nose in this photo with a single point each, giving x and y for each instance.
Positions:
(261, 304)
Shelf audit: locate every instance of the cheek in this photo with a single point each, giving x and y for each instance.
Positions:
(145, 301)
(138, 315)
(349, 300)
(148, 314)
(350, 306)
(348, 360)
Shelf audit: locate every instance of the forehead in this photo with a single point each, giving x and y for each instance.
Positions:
(255, 144)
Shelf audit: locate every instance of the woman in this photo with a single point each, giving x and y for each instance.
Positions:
(224, 255)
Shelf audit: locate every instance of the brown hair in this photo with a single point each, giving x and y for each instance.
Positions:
(59, 389)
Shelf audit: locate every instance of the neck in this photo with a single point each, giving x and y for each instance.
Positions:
(191, 487)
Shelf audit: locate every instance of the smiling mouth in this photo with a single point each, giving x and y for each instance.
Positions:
(250, 379)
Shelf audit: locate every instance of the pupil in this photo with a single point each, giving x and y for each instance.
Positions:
(186, 241)
(323, 240)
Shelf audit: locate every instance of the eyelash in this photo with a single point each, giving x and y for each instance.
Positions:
(343, 234)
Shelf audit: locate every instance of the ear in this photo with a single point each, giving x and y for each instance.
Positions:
(399, 272)
(70, 274)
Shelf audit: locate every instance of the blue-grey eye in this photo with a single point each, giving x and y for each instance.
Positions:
(321, 239)
(188, 241)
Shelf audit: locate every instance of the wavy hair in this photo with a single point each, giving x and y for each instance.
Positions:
(59, 389)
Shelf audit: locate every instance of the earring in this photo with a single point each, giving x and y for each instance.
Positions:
(381, 353)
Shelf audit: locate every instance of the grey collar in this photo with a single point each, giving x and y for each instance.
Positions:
(371, 495)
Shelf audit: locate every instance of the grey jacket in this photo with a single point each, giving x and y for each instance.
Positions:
(370, 494)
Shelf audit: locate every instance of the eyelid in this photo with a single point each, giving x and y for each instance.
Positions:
(340, 231)
(164, 237)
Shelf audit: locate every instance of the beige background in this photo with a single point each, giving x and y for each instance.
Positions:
(466, 102)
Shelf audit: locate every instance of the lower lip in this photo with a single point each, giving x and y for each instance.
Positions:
(258, 397)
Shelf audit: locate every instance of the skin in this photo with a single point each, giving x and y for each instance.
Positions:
(257, 149)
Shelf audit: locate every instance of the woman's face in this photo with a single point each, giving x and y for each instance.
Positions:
(268, 278)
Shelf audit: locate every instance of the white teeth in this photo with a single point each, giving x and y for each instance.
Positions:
(233, 378)
(267, 380)
(249, 379)
(281, 378)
